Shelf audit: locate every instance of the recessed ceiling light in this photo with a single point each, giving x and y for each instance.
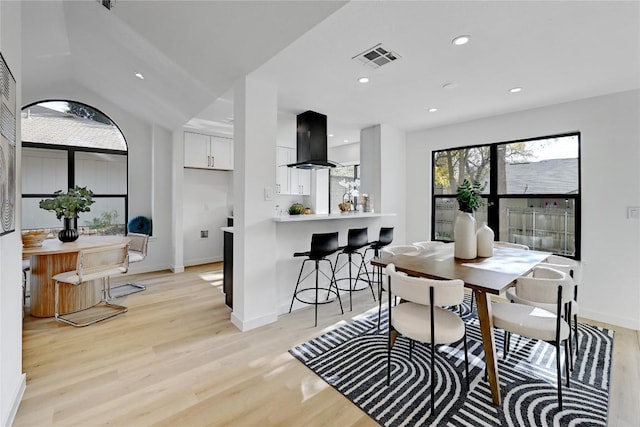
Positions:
(460, 40)
(346, 140)
(515, 89)
(140, 76)
(433, 110)
(330, 135)
(363, 80)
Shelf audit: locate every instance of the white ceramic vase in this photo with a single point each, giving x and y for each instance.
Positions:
(485, 236)
(464, 236)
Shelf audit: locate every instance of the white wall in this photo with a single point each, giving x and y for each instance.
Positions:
(346, 154)
(204, 208)
(610, 150)
(13, 380)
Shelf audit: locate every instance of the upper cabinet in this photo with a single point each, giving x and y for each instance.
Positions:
(207, 152)
(291, 180)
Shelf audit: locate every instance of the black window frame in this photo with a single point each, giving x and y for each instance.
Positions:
(71, 150)
(493, 197)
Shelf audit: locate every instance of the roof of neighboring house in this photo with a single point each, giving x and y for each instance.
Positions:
(546, 176)
(48, 126)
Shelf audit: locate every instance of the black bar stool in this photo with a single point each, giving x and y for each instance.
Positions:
(356, 240)
(384, 239)
(322, 245)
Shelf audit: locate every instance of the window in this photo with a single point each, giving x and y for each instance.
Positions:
(532, 191)
(66, 144)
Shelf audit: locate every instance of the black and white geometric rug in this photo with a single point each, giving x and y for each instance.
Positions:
(353, 359)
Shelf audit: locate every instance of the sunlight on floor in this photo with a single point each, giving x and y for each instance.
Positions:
(211, 276)
(311, 385)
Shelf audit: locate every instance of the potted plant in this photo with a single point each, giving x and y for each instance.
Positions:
(67, 206)
(469, 196)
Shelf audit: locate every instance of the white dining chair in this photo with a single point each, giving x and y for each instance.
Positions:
(391, 251)
(574, 269)
(421, 317)
(138, 244)
(537, 314)
(94, 264)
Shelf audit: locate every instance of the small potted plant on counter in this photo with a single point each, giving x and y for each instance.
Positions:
(67, 206)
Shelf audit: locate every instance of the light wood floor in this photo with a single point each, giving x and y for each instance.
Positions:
(175, 360)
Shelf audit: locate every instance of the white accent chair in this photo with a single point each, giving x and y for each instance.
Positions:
(536, 313)
(94, 264)
(421, 316)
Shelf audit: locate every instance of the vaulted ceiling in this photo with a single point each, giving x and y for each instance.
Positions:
(191, 52)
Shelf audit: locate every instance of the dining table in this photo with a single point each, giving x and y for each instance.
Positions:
(484, 276)
(54, 257)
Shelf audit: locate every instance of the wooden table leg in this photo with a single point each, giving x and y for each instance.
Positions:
(483, 304)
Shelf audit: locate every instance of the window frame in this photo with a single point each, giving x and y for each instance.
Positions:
(71, 150)
(493, 197)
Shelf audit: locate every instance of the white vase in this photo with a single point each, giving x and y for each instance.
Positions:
(464, 236)
(485, 236)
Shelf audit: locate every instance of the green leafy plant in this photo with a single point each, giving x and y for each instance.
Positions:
(470, 196)
(296, 209)
(69, 204)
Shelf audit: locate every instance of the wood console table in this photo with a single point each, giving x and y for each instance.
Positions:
(55, 257)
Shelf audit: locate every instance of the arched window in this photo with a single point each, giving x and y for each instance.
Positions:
(64, 144)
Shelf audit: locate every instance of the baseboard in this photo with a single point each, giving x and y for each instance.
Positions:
(624, 322)
(201, 261)
(253, 323)
(135, 269)
(22, 386)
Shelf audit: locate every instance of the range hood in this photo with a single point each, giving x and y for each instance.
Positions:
(311, 142)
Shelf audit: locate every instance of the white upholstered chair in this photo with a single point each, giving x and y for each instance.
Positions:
(574, 269)
(537, 313)
(421, 316)
(391, 251)
(94, 264)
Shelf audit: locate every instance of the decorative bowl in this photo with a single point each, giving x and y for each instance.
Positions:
(32, 239)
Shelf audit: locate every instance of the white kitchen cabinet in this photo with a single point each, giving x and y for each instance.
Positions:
(291, 180)
(207, 152)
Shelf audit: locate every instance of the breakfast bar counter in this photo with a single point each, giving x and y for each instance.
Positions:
(333, 216)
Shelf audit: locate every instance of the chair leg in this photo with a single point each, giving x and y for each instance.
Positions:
(297, 284)
(559, 375)
(366, 272)
(433, 377)
(575, 331)
(335, 283)
(466, 357)
(566, 363)
(316, 304)
(350, 284)
(505, 344)
(389, 333)
(471, 306)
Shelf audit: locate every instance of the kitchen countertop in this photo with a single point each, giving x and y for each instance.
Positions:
(227, 229)
(333, 216)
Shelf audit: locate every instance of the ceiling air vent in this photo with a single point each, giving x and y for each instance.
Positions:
(107, 3)
(376, 56)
